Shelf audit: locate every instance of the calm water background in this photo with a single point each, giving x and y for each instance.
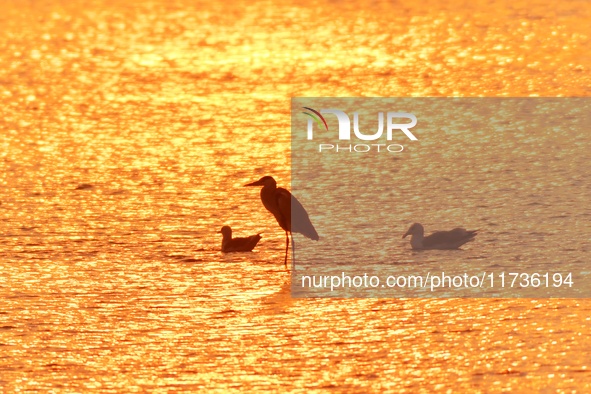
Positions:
(127, 130)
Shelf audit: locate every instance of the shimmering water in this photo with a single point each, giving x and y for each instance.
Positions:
(127, 131)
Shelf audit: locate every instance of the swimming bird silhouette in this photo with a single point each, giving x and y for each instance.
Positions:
(290, 214)
(452, 239)
(230, 244)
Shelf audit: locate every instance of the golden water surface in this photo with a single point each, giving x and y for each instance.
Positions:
(127, 130)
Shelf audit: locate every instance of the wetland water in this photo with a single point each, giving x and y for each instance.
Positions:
(127, 132)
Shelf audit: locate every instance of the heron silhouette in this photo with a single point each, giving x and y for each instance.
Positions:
(290, 214)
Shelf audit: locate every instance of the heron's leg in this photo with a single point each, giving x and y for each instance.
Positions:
(286, 247)
(292, 252)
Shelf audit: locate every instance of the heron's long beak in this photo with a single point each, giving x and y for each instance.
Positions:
(407, 233)
(257, 183)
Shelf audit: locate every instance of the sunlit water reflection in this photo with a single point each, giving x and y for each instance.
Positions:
(127, 133)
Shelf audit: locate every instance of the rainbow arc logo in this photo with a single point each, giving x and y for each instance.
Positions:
(316, 116)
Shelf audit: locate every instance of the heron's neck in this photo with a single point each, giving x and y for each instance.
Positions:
(268, 196)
